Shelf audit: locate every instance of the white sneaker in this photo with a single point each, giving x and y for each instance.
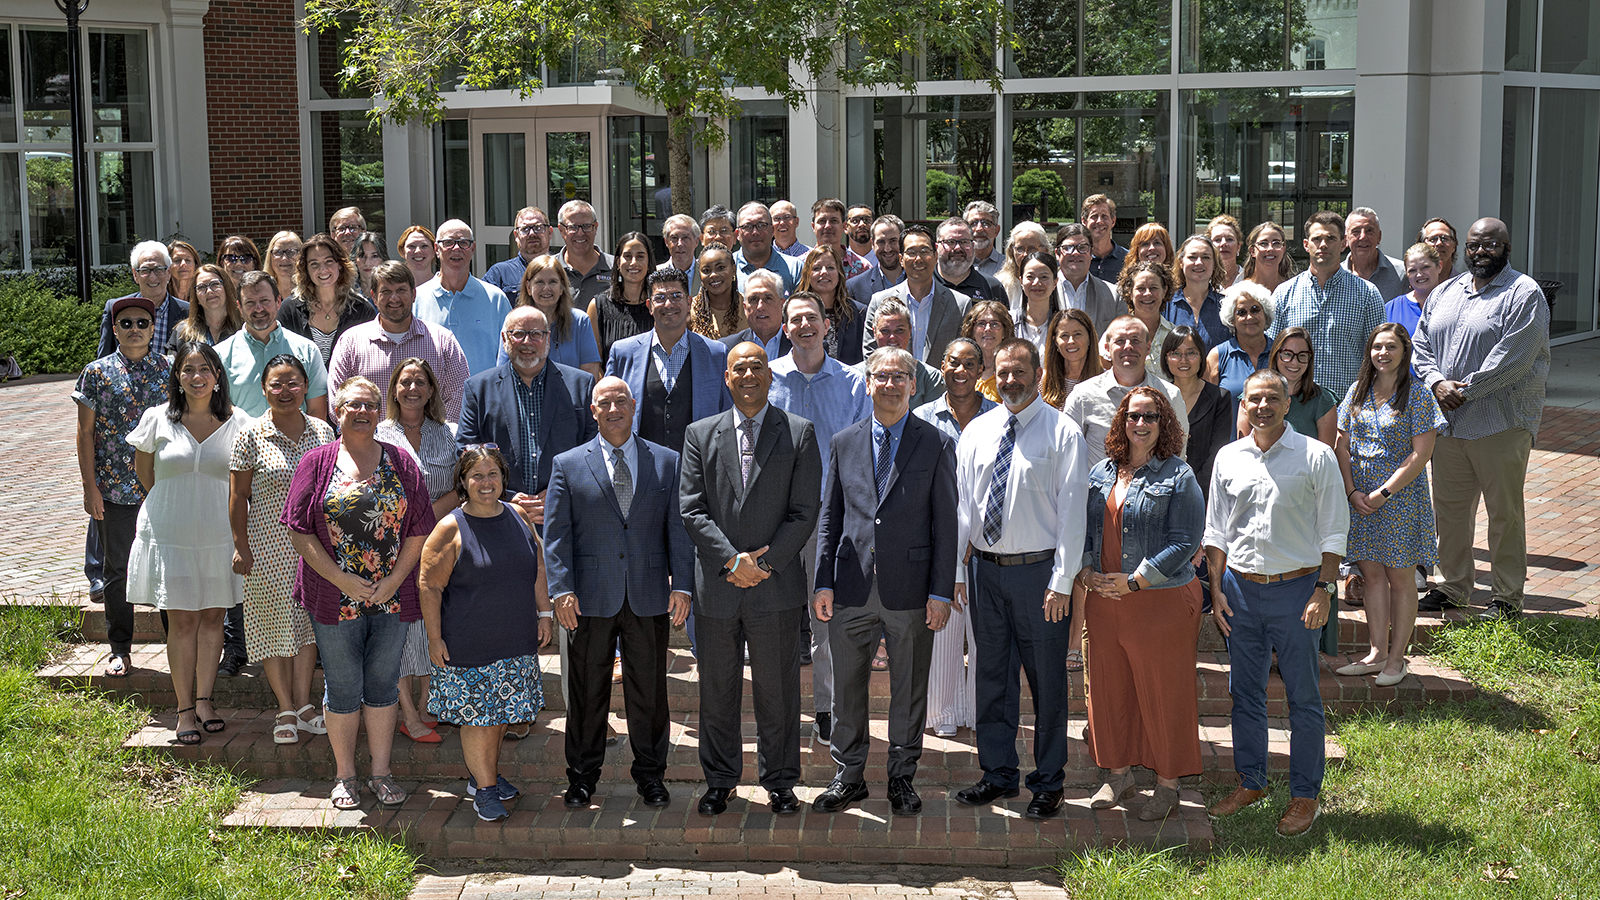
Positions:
(944, 731)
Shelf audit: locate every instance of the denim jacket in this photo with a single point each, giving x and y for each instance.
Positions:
(1163, 519)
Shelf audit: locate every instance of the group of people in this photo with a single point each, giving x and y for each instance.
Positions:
(920, 450)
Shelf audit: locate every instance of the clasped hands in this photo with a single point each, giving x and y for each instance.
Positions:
(744, 571)
(1111, 585)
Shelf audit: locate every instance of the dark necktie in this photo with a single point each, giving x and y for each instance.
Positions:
(880, 470)
(622, 481)
(747, 450)
(994, 508)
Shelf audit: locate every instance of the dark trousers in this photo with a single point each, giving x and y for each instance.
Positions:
(93, 555)
(774, 639)
(1009, 627)
(116, 532)
(1266, 618)
(853, 639)
(233, 634)
(591, 648)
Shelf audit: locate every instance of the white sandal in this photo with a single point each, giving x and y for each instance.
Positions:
(286, 732)
(314, 725)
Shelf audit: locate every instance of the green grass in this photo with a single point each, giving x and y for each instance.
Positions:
(81, 817)
(1436, 803)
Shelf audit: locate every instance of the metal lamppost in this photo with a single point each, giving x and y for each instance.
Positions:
(72, 9)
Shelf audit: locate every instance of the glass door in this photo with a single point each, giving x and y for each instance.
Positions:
(522, 162)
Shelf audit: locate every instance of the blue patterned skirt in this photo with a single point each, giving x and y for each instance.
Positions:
(500, 693)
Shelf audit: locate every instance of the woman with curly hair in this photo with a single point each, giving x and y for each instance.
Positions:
(325, 303)
(822, 273)
(717, 309)
(1146, 287)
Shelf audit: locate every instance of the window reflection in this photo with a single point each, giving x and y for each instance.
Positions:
(46, 104)
(1563, 248)
(52, 225)
(1049, 34)
(125, 202)
(8, 97)
(761, 153)
(348, 165)
(119, 81)
(1571, 37)
(1127, 39)
(10, 214)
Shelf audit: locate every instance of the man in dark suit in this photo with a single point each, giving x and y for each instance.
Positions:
(752, 483)
(674, 374)
(614, 541)
(886, 562)
(936, 310)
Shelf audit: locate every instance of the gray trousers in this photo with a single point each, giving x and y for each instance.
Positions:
(853, 635)
(821, 653)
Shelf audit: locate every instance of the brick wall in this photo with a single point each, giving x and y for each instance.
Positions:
(253, 116)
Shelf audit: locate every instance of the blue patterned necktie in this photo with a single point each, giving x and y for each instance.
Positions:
(994, 508)
(880, 470)
(622, 481)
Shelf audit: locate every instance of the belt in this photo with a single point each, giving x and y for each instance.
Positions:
(1269, 579)
(1014, 559)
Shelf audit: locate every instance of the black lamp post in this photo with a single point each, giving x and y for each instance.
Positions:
(72, 9)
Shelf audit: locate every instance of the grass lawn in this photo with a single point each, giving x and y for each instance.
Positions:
(82, 817)
(1498, 797)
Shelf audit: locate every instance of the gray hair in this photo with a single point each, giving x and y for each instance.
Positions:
(454, 223)
(1023, 229)
(771, 279)
(716, 212)
(892, 306)
(351, 385)
(755, 204)
(681, 219)
(1256, 292)
(886, 356)
(981, 206)
(144, 248)
(572, 206)
(1366, 212)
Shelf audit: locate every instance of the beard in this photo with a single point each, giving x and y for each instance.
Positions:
(1488, 268)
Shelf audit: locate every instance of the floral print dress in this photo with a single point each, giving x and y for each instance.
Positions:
(364, 521)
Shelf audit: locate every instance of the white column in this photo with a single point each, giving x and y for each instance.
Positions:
(1466, 110)
(1393, 156)
(185, 143)
(407, 177)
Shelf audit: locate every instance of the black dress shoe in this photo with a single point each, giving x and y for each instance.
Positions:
(654, 793)
(97, 591)
(230, 666)
(1498, 611)
(1044, 804)
(1436, 601)
(784, 802)
(903, 799)
(984, 793)
(578, 796)
(714, 801)
(838, 796)
(822, 728)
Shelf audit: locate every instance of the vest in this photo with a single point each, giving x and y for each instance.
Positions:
(667, 415)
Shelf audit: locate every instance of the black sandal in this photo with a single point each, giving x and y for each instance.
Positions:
(191, 737)
(207, 724)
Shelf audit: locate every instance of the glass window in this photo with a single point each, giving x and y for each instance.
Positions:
(761, 153)
(452, 175)
(1278, 154)
(960, 154)
(324, 49)
(11, 256)
(1128, 38)
(125, 202)
(921, 157)
(1237, 35)
(1564, 247)
(505, 177)
(1521, 32)
(1516, 171)
(567, 168)
(46, 103)
(1572, 37)
(581, 64)
(1044, 154)
(348, 165)
(119, 78)
(8, 97)
(1322, 35)
(1125, 153)
(641, 177)
(52, 226)
(1049, 32)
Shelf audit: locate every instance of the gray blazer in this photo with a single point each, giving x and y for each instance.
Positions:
(944, 320)
(1101, 303)
(778, 509)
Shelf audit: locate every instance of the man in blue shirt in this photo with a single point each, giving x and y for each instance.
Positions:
(756, 249)
(532, 235)
(471, 309)
(1336, 307)
(1099, 215)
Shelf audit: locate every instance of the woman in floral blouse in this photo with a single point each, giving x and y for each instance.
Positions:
(358, 513)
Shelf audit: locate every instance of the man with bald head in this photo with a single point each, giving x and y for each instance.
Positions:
(751, 489)
(1483, 348)
(621, 568)
(455, 298)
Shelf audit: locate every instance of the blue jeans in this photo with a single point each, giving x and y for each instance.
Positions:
(361, 662)
(1266, 617)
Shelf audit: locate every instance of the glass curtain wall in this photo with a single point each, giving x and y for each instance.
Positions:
(641, 181)
(760, 148)
(1564, 196)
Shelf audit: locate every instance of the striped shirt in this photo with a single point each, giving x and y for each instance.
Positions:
(1339, 315)
(1496, 342)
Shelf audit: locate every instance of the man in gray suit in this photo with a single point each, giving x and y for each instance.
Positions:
(751, 490)
(936, 310)
(1078, 288)
(614, 541)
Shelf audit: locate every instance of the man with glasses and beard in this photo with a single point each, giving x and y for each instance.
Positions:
(1483, 348)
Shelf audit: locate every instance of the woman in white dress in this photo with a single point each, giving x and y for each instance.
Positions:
(182, 559)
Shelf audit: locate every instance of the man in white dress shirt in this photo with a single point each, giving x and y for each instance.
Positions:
(1022, 475)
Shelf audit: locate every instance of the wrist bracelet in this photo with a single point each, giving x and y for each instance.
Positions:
(546, 613)
(735, 567)
(1352, 491)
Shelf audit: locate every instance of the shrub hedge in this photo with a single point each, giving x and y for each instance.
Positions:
(43, 324)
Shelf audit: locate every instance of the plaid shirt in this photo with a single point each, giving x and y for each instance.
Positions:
(366, 349)
(530, 406)
(119, 390)
(1339, 315)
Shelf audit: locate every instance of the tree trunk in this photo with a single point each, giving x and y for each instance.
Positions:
(680, 164)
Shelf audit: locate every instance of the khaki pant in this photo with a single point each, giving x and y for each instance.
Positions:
(1496, 468)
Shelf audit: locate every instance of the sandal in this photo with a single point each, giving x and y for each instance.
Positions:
(286, 732)
(1074, 661)
(880, 660)
(313, 725)
(207, 724)
(117, 666)
(192, 736)
(387, 792)
(512, 734)
(346, 793)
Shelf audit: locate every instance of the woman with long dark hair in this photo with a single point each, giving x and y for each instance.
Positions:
(214, 312)
(822, 272)
(622, 312)
(1072, 356)
(325, 303)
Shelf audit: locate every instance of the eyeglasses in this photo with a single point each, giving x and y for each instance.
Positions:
(1269, 245)
(1074, 249)
(209, 287)
(890, 377)
(454, 243)
(674, 297)
(285, 387)
(1304, 356)
(1439, 239)
(285, 254)
(784, 220)
(981, 223)
(1184, 354)
(1247, 311)
(581, 228)
(535, 228)
(754, 226)
(346, 229)
(859, 220)
(483, 447)
(965, 242)
(1491, 246)
(151, 270)
(361, 405)
(132, 324)
(526, 334)
(985, 324)
(917, 252)
(1135, 418)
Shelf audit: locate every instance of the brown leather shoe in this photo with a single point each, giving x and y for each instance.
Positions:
(1239, 799)
(1298, 817)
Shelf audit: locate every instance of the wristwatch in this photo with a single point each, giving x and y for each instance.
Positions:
(1332, 587)
(1385, 492)
(1133, 584)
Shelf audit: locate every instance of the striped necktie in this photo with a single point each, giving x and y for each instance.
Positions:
(994, 508)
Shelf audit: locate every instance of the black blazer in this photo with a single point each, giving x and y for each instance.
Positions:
(910, 534)
(294, 316)
(777, 510)
(489, 416)
(1211, 426)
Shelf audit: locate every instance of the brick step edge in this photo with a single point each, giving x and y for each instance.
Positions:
(438, 822)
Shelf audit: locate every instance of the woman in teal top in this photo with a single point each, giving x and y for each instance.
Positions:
(1313, 409)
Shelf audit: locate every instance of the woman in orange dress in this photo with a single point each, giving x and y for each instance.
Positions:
(1146, 518)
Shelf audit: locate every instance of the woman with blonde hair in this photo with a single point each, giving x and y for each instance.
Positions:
(1228, 237)
(283, 254)
(1027, 237)
(988, 323)
(185, 259)
(1269, 264)
(416, 248)
(214, 314)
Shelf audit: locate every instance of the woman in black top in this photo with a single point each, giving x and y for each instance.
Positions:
(621, 312)
(1183, 361)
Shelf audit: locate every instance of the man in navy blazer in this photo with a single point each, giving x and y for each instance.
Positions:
(886, 561)
(614, 546)
(534, 409)
(673, 374)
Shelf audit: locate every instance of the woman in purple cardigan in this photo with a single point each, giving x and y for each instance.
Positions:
(358, 513)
